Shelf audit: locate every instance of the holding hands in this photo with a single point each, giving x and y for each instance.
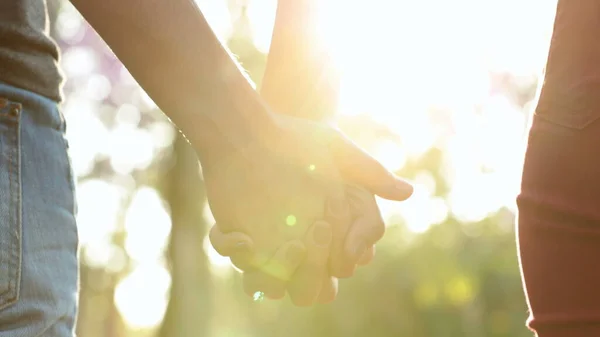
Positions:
(292, 225)
(299, 211)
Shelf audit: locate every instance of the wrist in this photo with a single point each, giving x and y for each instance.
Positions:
(232, 134)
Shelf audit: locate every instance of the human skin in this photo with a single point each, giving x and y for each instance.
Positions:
(255, 163)
(300, 80)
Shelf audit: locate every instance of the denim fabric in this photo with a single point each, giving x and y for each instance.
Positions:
(38, 233)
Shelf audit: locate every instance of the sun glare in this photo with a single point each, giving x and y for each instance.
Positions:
(426, 75)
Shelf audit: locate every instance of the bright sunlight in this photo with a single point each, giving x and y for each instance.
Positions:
(421, 71)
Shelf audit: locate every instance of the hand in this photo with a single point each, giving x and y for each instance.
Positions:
(305, 261)
(311, 282)
(285, 186)
(270, 193)
(357, 226)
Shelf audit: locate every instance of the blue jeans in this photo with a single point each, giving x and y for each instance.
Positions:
(38, 233)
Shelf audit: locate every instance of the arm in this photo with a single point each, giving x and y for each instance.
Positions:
(558, 214)
(297, 59)
(171, 51)
(300, 80)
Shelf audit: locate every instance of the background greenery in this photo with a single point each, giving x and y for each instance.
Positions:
(447, 266)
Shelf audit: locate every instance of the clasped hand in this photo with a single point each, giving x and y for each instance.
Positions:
(297, 211)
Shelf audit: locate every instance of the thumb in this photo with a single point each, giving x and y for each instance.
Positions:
(367, 228)
(358, 167)
(239, 247)
(229, 244)
(362, 237)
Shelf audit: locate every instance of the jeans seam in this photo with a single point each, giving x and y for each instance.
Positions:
(19, 203)
(11, 296)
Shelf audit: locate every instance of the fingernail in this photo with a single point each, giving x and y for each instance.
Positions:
(294, 254)
(242, 246)
(322, 234)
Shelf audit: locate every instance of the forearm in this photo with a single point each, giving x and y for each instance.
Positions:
(299, 78)
(172, 52)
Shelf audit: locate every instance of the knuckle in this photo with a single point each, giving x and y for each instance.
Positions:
(343, 270)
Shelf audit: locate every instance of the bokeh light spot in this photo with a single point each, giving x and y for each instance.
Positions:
(259, 296)
(290, 220)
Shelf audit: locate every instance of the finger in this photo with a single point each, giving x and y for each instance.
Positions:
(366, 230)
(358, 167)
(305, 286)
(362, 203)
(329, 290)
(339, 216)
(249, 261)
(228, 244)
(238, 246)
(367, 257)
(364, 234)
(272, 278)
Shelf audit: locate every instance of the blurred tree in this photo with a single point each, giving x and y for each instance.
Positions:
(189, 310)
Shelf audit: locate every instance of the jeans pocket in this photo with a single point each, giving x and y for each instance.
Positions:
(10, 202)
